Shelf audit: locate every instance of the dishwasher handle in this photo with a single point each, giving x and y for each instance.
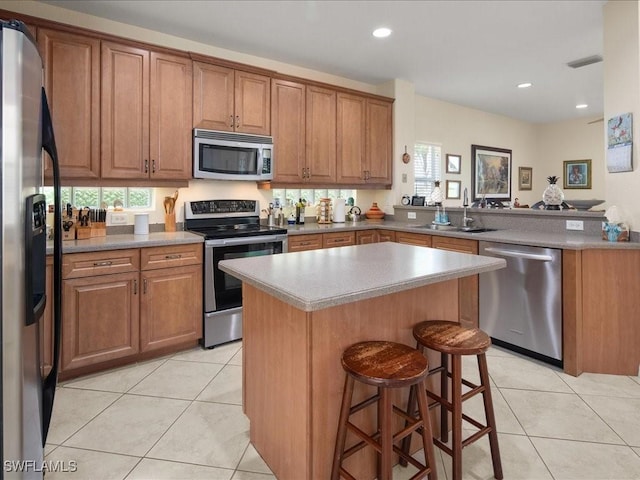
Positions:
(517, 254)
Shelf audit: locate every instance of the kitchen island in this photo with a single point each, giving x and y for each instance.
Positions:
(302, 309)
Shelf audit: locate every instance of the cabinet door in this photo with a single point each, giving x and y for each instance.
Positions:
(321, 134)
(378, 158)
(213, 88)
(170, 117)
(386, 236)
(413, 239)
(125, 112)
(252, 103)
(351, 139)
(468, 296)
(72, 80)
(99, 319)
(288, 127)
(367, 236)
(170, 307)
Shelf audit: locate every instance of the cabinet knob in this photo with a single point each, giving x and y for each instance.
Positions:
(153, 166)
(231, 124)
(173, 257)
(237, 121)
(144, 286)
(135, 287)
(102, 264)
(146, 166)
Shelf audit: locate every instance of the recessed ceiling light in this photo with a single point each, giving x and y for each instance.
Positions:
(382, 32)
(582, 105)
(525, 85)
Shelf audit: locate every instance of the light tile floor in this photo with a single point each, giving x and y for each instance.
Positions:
(180, 417)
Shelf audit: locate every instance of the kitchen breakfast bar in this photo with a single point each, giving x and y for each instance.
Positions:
(302, 310)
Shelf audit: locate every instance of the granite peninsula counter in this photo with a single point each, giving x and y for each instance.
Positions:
(302, 309)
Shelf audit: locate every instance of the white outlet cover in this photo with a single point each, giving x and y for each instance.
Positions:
(118, 219)
(411, 215)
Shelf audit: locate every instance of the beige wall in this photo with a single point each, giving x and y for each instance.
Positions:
(622, 95)
(542, 147)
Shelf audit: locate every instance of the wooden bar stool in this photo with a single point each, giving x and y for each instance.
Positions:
(385, 365)
(449, 338)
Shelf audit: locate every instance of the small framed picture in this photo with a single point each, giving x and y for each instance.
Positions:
(417, 201)
(453, 188)
(577, 174)
(453, 163)
(525, 178)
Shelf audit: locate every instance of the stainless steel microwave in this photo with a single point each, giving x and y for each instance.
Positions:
(232, 156)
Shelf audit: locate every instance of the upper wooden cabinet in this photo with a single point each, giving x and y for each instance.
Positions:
(288, 128)
(146, 114)
(231, 100)
(320, 135)
(364, 143)
(72, 81)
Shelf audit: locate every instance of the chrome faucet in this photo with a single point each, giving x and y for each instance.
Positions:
(465, 203)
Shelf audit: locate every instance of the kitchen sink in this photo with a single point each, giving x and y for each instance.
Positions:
(435, 226)
(453, 228)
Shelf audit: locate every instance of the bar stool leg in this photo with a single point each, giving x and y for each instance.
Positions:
(386, 436)
(427, 434)
(491, 420)
(444, 393)
(341, 436)
(456, 401)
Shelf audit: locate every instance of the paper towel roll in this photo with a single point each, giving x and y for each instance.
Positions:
(141, 224)
(338, 210)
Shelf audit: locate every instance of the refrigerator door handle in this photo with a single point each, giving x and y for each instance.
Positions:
(50, 382)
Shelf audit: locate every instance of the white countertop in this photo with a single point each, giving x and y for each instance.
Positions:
(117, 242)
(318, 279)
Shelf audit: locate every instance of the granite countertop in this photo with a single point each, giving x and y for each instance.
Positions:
(566, 240)
(119, 242)
(353, 273)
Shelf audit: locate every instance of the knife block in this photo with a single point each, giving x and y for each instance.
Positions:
(98, 229)
(169, 222)
(82, 233)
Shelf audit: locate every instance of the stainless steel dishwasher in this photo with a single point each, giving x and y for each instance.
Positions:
(521, 305)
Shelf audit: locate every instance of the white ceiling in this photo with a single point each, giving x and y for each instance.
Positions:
(471, 53)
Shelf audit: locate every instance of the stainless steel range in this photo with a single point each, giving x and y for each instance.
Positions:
(232, 230)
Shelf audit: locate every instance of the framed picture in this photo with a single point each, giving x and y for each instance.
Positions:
(577, 174)
(525, 178)
(491, 173)
(417, 201)
(453, 163)
(453, 188)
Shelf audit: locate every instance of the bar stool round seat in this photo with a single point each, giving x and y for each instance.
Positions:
(387, 366)
(454, 341)
(451, 338)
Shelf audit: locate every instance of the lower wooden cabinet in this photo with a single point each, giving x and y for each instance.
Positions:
(300, 243)
(338, 239)
(468, 297)
(375, 236)
(100, 319)
(419, 239)
(170, 306)
(113, 309)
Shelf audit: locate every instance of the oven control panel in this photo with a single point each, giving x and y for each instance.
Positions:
(215, 208)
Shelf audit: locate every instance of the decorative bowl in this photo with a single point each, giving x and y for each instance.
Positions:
(584, 204)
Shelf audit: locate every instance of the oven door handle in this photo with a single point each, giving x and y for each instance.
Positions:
(226, 242)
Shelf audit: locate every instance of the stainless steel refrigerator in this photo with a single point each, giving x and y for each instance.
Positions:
(26, 397)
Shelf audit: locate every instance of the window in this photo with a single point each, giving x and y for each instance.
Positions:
(311, 195)
(426, 167)
(94, 197)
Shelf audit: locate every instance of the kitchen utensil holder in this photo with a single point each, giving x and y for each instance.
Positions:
(98, 229)
(83, 233)
(169, 222)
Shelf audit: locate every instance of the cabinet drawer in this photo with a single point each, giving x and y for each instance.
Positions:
(78, 265)
(171, 256)
(455, 244)
(300, 243)
(413, 239)
(338, 239)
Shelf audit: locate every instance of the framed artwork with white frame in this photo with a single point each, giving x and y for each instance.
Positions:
(453, 163)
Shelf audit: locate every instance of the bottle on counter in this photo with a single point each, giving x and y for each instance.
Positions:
(300, 206)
